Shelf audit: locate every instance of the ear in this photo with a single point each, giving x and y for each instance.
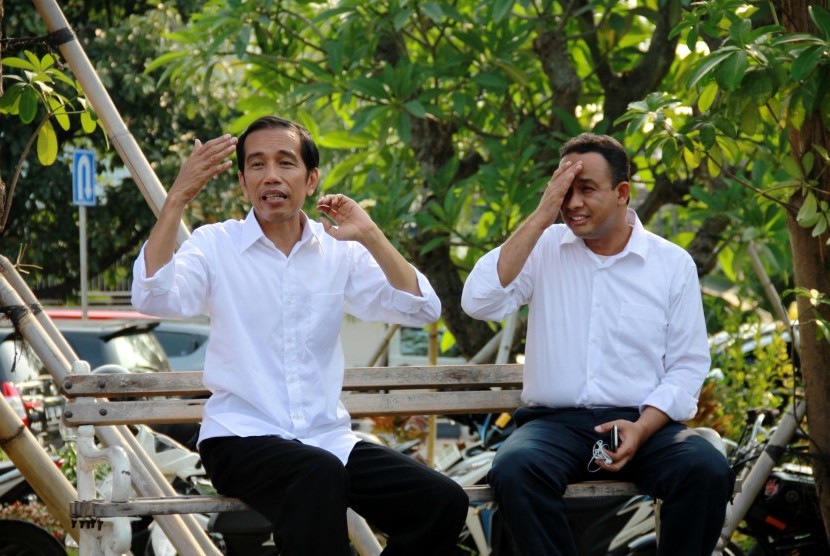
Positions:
(623, 193)
(312, 181)
(243, 185)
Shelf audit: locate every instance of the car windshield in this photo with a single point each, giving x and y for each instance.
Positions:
(136, 349)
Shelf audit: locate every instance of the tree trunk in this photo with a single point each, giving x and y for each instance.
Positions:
(811, 262)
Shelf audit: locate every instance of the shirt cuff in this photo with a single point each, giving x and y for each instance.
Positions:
(672, 401)
(161, 281)
(406, 302)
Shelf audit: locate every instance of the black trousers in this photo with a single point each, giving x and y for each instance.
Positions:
(551, 448)
(305, 491)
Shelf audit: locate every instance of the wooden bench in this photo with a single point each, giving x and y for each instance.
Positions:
(368, 391)
(156, 398)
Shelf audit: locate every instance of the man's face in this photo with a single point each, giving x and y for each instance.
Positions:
(593, 209)
(275, 180)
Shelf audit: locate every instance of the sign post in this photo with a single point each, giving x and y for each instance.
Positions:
(83, 195)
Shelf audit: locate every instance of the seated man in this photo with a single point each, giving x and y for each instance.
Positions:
(276, 285)
(615, 337)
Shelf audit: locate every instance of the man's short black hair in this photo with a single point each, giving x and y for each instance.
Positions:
(611, 150)
(308, 148)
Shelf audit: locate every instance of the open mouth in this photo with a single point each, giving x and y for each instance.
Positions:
(274, 196)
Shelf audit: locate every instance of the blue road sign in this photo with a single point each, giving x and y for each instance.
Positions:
(83, 177)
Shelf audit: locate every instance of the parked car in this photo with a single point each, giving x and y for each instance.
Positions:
(26, 383)
(185, 343)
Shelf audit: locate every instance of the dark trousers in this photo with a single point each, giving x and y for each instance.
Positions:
(304, 492)
(551, 448)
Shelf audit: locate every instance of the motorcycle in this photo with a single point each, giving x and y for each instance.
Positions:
(601, 526)
(784, 519)
(604, 526)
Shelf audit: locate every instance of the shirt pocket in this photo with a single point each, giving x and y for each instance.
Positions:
(641, 329)
(325, 316)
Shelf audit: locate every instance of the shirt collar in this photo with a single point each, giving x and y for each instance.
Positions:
(637, 243)
(252, 231)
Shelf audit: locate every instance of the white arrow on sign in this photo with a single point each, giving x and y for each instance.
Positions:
(83, 177)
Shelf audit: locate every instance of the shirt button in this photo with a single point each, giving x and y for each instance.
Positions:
(292, 378)
(295, 415)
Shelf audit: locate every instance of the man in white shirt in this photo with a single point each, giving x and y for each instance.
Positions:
(616, 337)
(275, 286)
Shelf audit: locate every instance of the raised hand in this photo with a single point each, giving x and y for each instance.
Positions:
(205, 162)
(350, 221)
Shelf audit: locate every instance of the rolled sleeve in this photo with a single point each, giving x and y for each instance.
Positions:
(484, 297)
(427, 304)
(174, 291)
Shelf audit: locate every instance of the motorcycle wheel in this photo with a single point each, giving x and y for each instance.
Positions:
(21, 538)
(731, 549)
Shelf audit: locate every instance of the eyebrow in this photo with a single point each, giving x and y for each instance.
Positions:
(284, 152)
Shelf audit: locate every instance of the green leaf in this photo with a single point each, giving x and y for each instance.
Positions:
(165, 59)
(370, 87)
(670, 152)
(820, 227)
(18, 63)
(733, 69)
(491, 81)
(806, 62)
(822, 19)
(708, 63)
(340, 172)
(707, 96)
(518, 75)
(344, 140)
(401, 18)
(415, 108)
(60, 76)
(807, 162)
(88, 123)
(433, 11)
(500, 9)
(47, 62)
(707, 135)
(433, 243)
(47, 144)
(367, 115)
(28, 105)
(808, 214)
(404, 127)
(59, 112)
(10, 98)
(714, 162)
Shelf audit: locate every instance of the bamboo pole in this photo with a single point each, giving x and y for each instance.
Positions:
(432, 423)
(132, 156)
(183, 530)
(37, 467)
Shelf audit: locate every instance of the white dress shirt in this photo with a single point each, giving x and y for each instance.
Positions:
(621, 331)
(274, 362)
